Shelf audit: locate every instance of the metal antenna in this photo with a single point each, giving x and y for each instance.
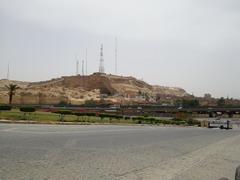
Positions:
(8, 71)
(101, 66)
(86, 58)
(77, 66)
(116, 46)
(83, 67)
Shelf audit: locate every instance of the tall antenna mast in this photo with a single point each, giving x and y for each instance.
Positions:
(101, 66)
(116, 43)
(83, 67)
(8, 71)
(77, 66)
(86, 58)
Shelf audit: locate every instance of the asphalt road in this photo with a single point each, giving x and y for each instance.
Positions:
(116, 152)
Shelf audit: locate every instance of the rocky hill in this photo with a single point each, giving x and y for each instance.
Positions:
(173, 91)
(79, 89)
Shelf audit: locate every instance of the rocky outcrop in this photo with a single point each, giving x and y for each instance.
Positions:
(173, 91)
(79, 89)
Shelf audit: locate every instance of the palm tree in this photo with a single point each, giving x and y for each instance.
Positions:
(11, 91)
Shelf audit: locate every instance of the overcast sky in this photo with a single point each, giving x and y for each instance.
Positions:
(193, 44)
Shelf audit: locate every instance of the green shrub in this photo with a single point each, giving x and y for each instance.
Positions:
(118, 117)
(84, 114)
(5, 108)
(176, 119)
(62, 104)
(90, 102)
(138, 118)
(103, 115)
(90, 114)
(180, 122)
(193, 122)
(28, 109)
(150, 119)
(79, 114)
(64, 112)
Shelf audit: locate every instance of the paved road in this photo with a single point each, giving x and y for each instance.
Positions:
(116, 152)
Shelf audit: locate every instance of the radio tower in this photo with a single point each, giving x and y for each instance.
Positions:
(77, 65)
(101, 66)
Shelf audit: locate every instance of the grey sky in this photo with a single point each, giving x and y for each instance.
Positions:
(193, 44)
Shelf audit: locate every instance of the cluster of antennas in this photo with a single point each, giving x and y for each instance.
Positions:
(101, 65)
(84, 66)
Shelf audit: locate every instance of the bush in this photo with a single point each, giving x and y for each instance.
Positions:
(79, 114)
(90, 114)
(118, 117)
(138, 118)
(62, 104)
(84, 114)
(150, 119)
(102, 116)
(177, 119)
(191, 103)
(193, 122)
(64, 112)
(28, 109)
(5, 108)
(90, 102)
(180, 122)
(127, 117)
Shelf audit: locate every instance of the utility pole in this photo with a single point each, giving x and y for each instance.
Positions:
(116, 55)
(86, 59)
(8, 72)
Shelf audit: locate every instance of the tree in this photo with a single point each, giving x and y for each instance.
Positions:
(11, 91)
(192, 103)
(221, 102)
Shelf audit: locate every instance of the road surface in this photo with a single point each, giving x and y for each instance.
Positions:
(116, 152)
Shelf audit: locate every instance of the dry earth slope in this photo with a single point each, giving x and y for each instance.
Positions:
(78, 89)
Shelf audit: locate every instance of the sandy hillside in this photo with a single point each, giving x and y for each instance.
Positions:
(79, 89)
